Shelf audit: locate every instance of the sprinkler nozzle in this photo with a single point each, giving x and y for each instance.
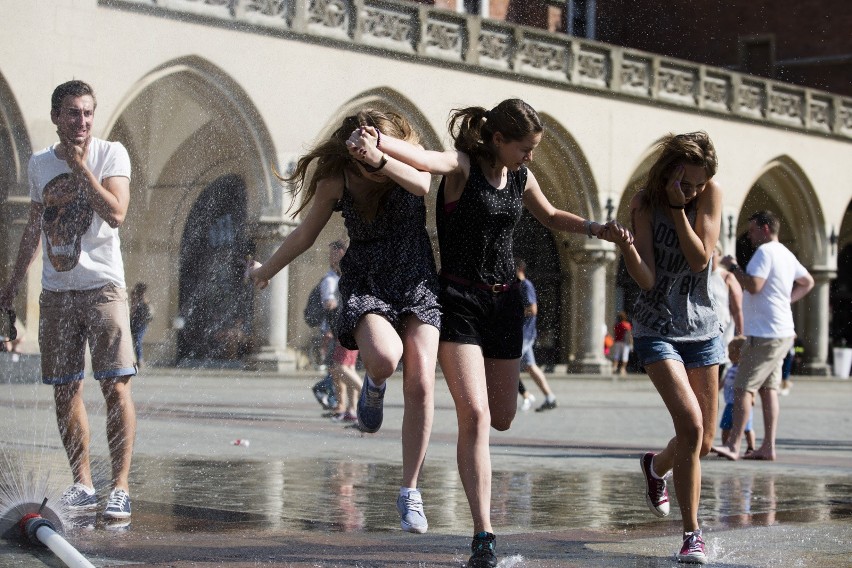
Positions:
(29, 525)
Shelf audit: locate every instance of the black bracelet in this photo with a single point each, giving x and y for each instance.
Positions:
(677, 206)
(378, 139)
(382, 162)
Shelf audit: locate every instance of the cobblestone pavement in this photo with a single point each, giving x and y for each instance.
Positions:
(307, 492)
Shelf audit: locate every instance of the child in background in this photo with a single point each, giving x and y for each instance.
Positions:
(734, 348)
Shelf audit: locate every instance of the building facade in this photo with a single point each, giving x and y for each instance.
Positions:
(212, 97)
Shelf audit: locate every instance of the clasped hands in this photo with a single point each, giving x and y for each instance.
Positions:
(615, 232)
(363, 146)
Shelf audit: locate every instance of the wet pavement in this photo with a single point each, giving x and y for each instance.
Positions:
(567, 490)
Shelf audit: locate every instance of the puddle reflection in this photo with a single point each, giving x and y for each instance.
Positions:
(347, 496)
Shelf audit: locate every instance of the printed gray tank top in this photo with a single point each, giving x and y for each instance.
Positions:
(680, 307)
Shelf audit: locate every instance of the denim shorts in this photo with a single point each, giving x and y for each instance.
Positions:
(692, 354)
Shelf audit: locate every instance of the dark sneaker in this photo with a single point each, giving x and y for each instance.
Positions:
(547, 405)
(411, 516)
(118, 506)
(78, 497)
(324, 393)
(483, 551)
(371, 407)
(656, 495)
(692, 551)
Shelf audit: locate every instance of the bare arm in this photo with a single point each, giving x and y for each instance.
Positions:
(550, 216)
(329, 191)
(439, 163)
(749, 283)
(363, 146)
(697, 244)
(30, 242)
(735, 302)
(639, 255)
(110, 197)
(801, 287)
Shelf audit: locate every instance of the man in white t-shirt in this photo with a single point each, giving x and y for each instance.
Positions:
(79, 194)
(773, 280)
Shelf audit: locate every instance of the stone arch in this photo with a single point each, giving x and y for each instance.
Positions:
(840, 295)
(560, 265)
(15, 151)
(783, 187)
(625, 289)
(185, 124)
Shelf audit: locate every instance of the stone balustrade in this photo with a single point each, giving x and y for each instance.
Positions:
(431, 35)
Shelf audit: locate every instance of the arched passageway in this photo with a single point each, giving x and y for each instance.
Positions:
(214, 302)
(15, 151)
(190, 130)
(783, 188)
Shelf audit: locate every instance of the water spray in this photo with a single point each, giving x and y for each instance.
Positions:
(40, 528)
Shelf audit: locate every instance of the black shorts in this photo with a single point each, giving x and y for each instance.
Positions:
(472, 316)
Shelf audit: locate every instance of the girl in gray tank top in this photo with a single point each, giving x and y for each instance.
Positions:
(676, 223)
(680, 306)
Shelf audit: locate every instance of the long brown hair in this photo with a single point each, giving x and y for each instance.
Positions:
(473, 128)
(332, 156)
(694, 148)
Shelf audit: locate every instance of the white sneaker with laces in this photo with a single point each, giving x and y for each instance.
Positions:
(528, 402)
(411, 516)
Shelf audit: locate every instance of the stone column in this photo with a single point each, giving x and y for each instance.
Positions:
(271, 352)
(813, 312)
(587, 315)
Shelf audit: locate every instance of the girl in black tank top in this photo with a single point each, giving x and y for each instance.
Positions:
(485, 184)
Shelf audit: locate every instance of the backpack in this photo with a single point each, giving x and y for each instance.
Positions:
(314, 310)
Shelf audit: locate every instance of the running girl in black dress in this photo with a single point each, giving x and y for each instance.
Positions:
(486, 183)
(388, 284)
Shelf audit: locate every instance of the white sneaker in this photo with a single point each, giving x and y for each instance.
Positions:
(528, 402)
(411, 516)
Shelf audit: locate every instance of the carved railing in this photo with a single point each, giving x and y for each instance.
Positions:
(442, 37)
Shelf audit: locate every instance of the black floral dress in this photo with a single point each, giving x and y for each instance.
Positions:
(389, 268)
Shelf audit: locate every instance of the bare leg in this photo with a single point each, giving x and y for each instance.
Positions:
(353, 385)
(769, 401)
(743, 401)
(538, 376)
(350, 384)
(380, 347)
(121, 428)
(464, 370)
(418, 384)
(691, 396)
(73, 424)
(751, 440)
